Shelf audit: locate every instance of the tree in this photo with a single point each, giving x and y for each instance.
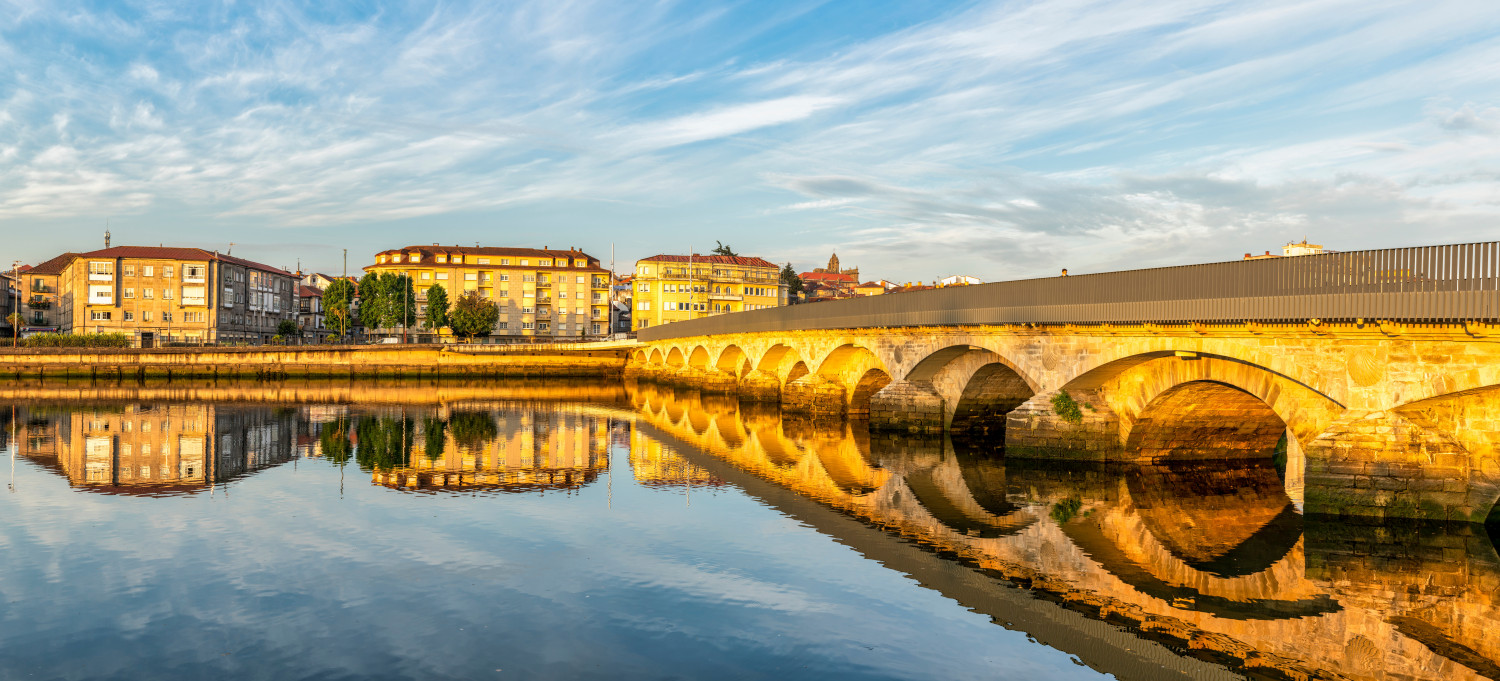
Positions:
(15, 320)
(371, 301)
(398, 299)
(336, 303)
(473, 316)
(721, 249)
(792, 282)
(287, 328)
(437, 307)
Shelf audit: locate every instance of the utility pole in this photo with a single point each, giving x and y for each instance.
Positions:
(609, 298)
(405, 301)
(15, 326)
(343, 323)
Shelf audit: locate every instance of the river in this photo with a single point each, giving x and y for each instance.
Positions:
(450, 529)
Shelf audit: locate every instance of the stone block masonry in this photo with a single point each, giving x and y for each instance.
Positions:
(311, 362)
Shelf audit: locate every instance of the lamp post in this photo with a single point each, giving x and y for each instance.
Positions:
(15, 311)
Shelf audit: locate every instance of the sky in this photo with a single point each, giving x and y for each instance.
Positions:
(994, 138)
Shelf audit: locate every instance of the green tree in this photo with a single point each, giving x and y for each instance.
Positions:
(432, 433)
(337, 299)
(473, 316)
(384, 442)
(473, 430)
(791, 281)
(721, 249)
(399, 298)
(437, 307)
(287, 328)
(335, 441)
(15, 320)
(371, 301)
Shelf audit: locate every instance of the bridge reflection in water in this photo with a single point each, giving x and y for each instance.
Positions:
(1210, 558)
(1201, 559)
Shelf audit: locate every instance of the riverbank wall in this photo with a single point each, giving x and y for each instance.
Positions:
(262, 362)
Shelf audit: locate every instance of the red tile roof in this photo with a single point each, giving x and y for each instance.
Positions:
(827, 277)
(176, 253)
(309, 292)
(53, 266)
(713, 260)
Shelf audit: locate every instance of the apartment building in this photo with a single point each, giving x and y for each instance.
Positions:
(43, 309)
(166, 294)
(155, 449)
(671, 288)
(540, 292)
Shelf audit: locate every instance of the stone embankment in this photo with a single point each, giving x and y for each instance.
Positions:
(313, 362)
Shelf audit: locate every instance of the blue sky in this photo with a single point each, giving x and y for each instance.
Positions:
(918, 139)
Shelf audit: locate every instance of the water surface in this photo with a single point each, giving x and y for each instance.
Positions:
(576, 531)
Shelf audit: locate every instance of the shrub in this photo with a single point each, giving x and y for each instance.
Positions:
(1063, 405)
(78, 340)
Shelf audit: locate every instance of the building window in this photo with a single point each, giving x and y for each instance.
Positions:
(166, 294)
(528, 325)
(543, 263)
(504, 277)
(458, 259)
(502, 325)
(596, 328)
(166, 316)
(146, 316)
(148, 270)
(426, 276)
(484, 261)
(582, 279)
(129, 316)
(166, 271)
(643, 305)
(416, 257)
(543, 326)
(129, 293)
(148, 293)
(192, 274)
(395, 258)
(471, 276)
(99, 315)
(527, 310)
(505, 261)
(442, 258)
(192, 316)
(442, 276)
(562, 294)
(525, 262)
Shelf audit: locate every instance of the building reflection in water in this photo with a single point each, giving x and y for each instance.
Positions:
(156, 449)
(470, 450)
(1211, 558)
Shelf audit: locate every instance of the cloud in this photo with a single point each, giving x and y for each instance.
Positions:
(995, 137)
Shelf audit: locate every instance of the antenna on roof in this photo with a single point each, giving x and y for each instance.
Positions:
(231, 249)
(106, 232)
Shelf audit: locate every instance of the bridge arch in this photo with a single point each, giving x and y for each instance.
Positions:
(698, 359)
(657, 357)
(1152, 391)
(733, 360)
(976, 386)
(782, 361)
(858, 372)
(675, 358)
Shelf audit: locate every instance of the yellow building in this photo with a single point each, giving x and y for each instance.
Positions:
(673, 288)
(540, 292)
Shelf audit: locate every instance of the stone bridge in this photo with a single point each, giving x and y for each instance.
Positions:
(1378, 415)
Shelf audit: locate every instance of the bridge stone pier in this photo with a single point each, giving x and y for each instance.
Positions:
(1374, 375)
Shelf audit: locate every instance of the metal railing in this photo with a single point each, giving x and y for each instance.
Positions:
(1451, 283)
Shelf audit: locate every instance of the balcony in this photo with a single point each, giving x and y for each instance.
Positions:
(543, 300)
(725, 296)
(101, 276)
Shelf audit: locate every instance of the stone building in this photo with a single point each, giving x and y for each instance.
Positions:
(43, 309)
(154, 449)
(540, 292)
(671, 288)
(833, 268)
(168, 295)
